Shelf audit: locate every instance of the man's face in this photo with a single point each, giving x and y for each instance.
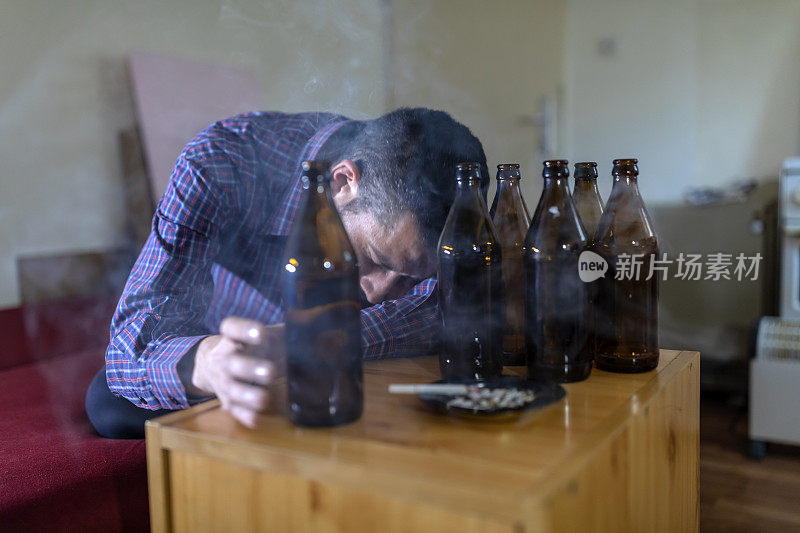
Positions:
(391, 257)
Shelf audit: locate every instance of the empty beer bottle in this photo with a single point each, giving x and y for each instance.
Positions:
(322, 311)
(590, 208)
(470, 285)
(587, 197)
(556, 300)
(511, 219)
(626, 312)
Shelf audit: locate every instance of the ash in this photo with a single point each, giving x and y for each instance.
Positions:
(487, 400)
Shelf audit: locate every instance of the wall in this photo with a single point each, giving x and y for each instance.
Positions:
(702, 91)
(748, 69)
(64, 96)
(488, 64)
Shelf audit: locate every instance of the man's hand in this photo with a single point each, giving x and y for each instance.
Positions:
(239, 364)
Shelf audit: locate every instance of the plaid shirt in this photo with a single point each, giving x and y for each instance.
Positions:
(216, 250)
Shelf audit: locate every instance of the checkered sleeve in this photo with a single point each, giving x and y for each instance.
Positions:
(160, 314)
(405, 327)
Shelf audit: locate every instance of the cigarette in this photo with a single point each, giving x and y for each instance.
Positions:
(447, 389)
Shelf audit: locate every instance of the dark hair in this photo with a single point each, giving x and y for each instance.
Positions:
(407, 159)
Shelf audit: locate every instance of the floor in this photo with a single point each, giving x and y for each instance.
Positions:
(737, 493)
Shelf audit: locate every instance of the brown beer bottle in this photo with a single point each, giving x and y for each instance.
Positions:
(321, 310)
(587, 197)
(556, 300)
(626, 312)
(470, 285)
(511, 219)
(590, 208)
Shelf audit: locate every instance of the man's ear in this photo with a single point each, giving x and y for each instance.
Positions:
(345, 178)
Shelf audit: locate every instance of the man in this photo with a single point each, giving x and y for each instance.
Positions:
(200, 314)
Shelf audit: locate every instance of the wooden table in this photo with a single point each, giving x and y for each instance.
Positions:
(619, 453)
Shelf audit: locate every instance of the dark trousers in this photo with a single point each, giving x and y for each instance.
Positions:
(115, 417)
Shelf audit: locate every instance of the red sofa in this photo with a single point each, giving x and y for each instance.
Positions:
(56, 473)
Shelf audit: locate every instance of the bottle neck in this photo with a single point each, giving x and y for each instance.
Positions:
(586, 185)
(468, 196)
(318, 192)
(556, 183)
(507, 184)
(624, 194)
(467, 185)
(625, 183)
(556, 191)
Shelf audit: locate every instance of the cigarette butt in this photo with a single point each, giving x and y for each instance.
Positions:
(451, 389)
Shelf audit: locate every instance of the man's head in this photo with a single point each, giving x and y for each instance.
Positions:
(394, 182)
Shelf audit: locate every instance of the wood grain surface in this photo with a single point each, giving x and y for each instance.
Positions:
(620, 452)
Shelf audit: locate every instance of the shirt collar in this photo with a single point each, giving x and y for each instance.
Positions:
(283, 221)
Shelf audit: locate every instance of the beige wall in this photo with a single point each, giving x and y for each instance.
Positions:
(64, 95)
(702, 91)
(748, 69)
(64, 92)
(487, 63)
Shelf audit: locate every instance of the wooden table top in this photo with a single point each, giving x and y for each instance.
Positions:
(402, 447)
